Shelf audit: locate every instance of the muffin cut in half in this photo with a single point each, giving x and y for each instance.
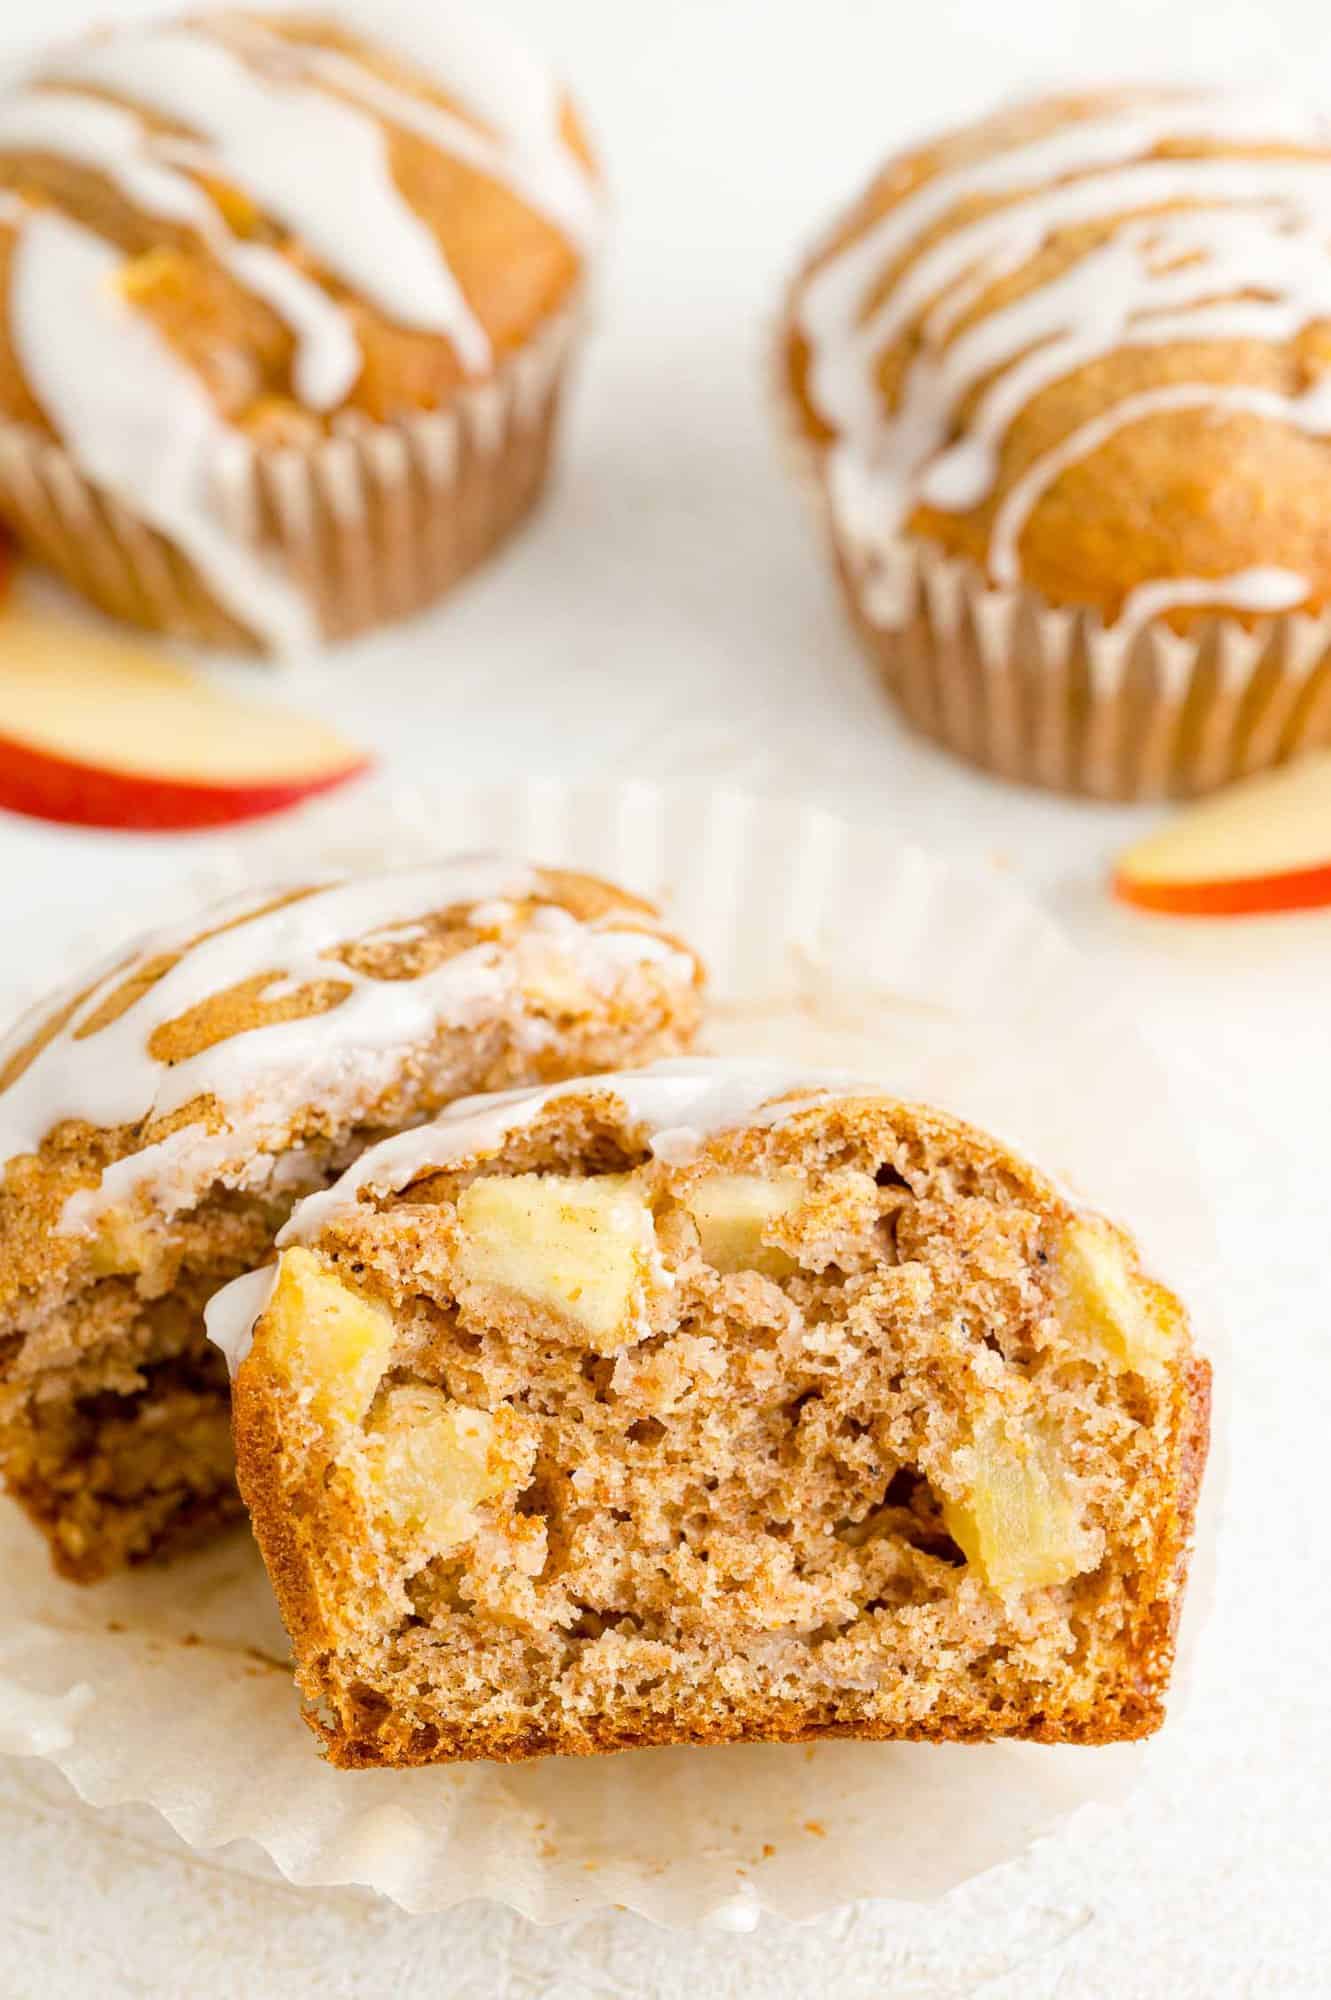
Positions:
(708, 1404)
(1062, 379)
(160, 1120)
(288, 300)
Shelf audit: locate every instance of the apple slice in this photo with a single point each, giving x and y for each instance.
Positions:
(1260, 846)
(99, 730)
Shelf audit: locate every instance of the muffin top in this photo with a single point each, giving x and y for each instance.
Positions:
(680, 1111)
(314, 221)
(241, 229)
(1085, 346)
(241, 1033)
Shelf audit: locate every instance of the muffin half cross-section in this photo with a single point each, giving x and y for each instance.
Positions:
(708, 1404)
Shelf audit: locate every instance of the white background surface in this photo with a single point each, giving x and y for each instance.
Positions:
(668, 617)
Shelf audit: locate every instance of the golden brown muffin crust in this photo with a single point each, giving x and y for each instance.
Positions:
(737, 1522)
(516, 268)
(100, 1313)
(1179, 494)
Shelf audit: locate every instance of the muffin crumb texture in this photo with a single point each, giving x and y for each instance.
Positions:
(160, 1123)
(840, 1421)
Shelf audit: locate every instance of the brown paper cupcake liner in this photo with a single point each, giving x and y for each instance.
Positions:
(372, 523)
(1052, 697)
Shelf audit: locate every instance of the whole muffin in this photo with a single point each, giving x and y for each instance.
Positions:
(288, 300)
(1061, 379)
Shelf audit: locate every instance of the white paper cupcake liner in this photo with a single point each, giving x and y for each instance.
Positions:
(829, 943)
(373, 522)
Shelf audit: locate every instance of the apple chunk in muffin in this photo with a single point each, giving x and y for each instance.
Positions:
(698, 1404)
(159, 1121)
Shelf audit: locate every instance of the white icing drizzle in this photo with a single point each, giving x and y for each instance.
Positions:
(681, 1103)
(253, 114)
(232, 1314)
(139, 422)
(167, 938)
(534, 159)
(1252, 226)
(114, 141)
(313, 162)
(328, 356)
(1310, 411)
(96, 134)
(509, 90)
(340, 1060)
(1265, 589)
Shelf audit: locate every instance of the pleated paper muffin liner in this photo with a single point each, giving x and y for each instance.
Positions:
(1054, 698)
(371, 523)
(829, 944)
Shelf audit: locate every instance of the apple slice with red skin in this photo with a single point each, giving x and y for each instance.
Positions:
(1257, 848)
(97, 729)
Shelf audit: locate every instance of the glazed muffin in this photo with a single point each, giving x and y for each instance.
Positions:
(161, 1118)
(706, 1404)
(288, 301)
(1061, 381)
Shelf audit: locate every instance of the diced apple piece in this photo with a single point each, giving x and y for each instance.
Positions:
(433, 1462)
(120, 1248)
(99, 729)
(734, 1212)
(1019, 1525)
(329, 1342)
(579, 1248)
(550, 980)
(1103, 1302)
(1259, 846)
